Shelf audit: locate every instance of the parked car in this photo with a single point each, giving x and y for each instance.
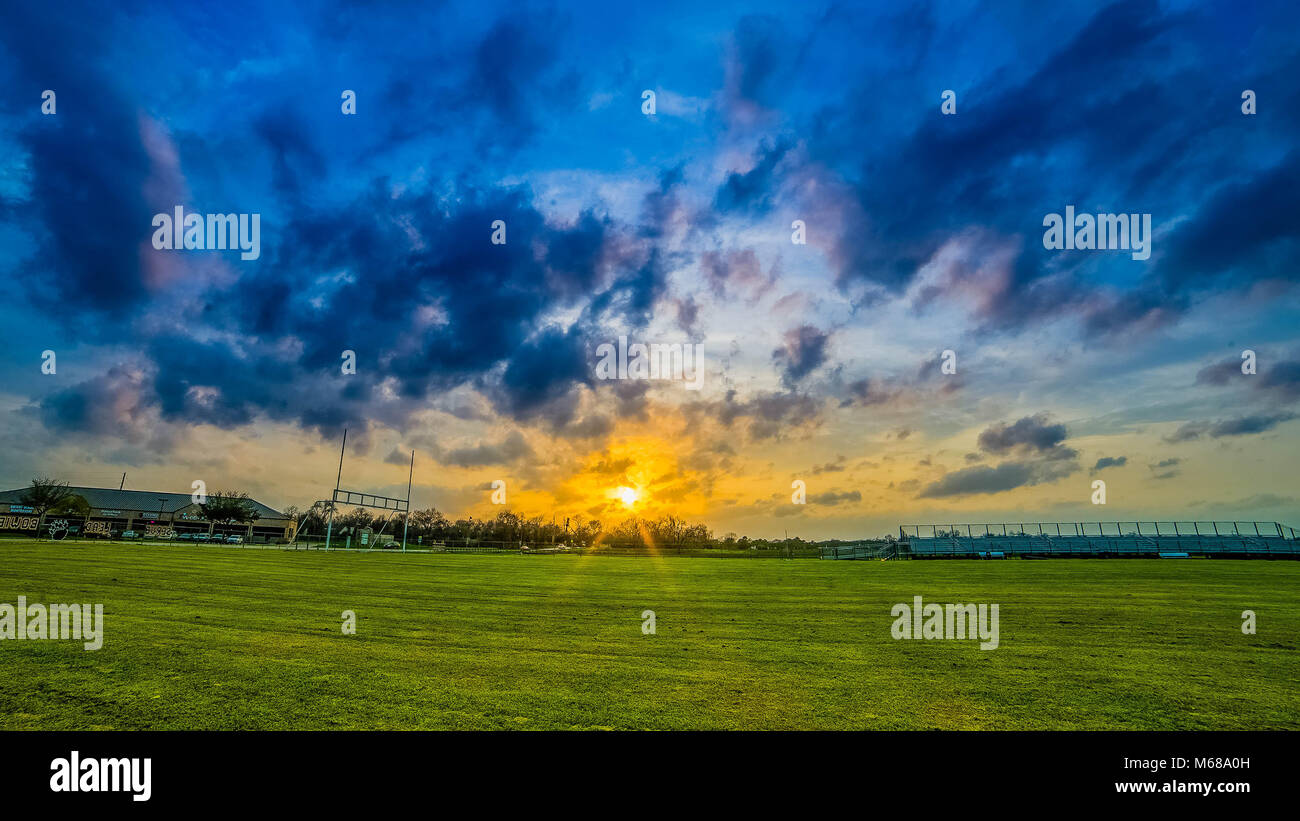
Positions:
(203, 537)
(234, 538)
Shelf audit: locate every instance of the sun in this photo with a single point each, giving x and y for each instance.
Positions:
(629, 495)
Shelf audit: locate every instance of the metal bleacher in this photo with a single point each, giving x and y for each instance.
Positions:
(873, 549)
(1242, 540)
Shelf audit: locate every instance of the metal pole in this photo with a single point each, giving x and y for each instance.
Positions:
(341, 450)
(329, 528)
(406, 521)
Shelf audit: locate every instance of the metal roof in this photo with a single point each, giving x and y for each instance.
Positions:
(145, 501)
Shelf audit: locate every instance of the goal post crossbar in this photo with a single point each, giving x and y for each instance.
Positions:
(359, 499)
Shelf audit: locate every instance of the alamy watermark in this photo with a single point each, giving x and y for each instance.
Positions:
(1100, 232)
(950, 621)
(77, 774)
(51, 622)
(223, 231)
(652, 361)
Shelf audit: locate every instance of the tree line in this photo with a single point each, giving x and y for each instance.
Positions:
(431, 526)
(50, 497)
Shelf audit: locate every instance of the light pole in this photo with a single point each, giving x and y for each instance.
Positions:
(162, 502)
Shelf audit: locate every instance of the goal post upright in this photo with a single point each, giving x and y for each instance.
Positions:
(406, 520)
(329, 528)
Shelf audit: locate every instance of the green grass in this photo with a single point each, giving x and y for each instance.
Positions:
(226, 638)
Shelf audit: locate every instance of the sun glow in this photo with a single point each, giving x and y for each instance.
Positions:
(629, 495)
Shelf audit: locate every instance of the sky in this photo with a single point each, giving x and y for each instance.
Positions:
(921, 356)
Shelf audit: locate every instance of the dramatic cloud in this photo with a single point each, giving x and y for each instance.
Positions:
(1030, 435)
(803, 352)
(1280, 379)
(1004, 477)
(511, 449)
(1042, 459)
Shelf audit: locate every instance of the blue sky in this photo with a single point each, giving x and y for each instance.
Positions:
(923, 235)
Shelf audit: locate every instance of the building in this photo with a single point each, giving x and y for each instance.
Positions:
(147, 514)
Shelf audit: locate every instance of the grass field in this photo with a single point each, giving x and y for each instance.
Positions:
(227, 638)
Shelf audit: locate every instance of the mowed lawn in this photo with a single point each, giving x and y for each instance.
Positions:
(206, 637)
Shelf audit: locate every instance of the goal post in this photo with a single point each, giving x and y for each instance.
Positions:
(354, 498)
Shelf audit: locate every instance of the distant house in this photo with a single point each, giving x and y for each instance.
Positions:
(145, 512)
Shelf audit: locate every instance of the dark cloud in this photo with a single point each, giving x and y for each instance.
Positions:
(803, 352)
(1165, 468)
(752, 190)
(982, 479)
(541, 376)
(1245, 425)
(610, 467)
(830, 467)
(1042, 458)
(88, 215)
(1034, 434)
(760, 46)
(770, 415)
(511, 449)
(1220, 373)
(1239, 426)
(1109, 462)
(115, 403)
(1280, 379)
(425, 306)
(832, 498)
(866, 392)
(295, 159)
(1246, 229)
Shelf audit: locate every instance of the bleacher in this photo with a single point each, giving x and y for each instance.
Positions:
(872, 549)
(1232, 540)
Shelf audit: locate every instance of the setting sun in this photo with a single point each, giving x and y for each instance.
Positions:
(629, 495)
